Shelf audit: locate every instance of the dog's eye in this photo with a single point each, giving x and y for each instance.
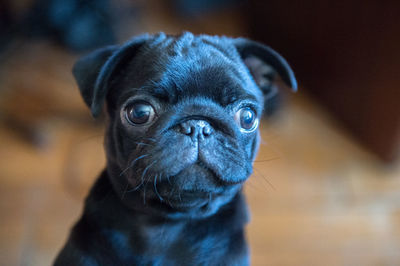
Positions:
(246, 119)
(139, 113)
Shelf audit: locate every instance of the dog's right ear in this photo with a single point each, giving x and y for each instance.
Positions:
(86, 71)
(95, 71)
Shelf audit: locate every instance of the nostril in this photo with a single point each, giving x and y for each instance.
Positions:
(186, 129)
(207, 131)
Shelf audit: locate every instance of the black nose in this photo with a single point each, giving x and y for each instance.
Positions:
(195, 128)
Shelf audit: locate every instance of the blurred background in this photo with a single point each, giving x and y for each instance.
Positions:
(326, 184)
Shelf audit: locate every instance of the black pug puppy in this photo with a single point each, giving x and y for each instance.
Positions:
(181, 139)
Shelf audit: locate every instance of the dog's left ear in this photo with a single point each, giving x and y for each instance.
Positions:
(263, 63)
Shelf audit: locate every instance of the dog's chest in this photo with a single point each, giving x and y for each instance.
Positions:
(175, 244)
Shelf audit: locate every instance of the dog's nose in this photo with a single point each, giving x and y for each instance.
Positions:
(195, 128)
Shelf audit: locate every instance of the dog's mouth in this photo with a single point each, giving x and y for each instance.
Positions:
(191, 188)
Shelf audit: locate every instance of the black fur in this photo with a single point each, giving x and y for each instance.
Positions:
(165, 197)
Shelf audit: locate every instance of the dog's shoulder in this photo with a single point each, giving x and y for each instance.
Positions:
(87, 244)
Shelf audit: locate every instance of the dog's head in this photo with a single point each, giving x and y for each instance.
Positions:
(183, 116)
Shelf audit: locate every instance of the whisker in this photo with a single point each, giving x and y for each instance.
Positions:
(133, 163)
(151, 139)
(135, 188)
(142, 178)
(142, 143)
(249, 183)
(147, 168)
(266, 180)
(267, 160)
(179, 196)
(155, 187)
(148, 179)
(262, 186)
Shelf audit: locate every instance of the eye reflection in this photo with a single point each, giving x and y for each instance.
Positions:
(139, 113)
(246, 119)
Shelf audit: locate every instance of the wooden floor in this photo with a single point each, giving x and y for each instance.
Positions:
(316, 197)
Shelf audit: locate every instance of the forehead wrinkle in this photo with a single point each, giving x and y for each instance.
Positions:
(175, 61)
(199, 50)
(209, 82)
(197, 62)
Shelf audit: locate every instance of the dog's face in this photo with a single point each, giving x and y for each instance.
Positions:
(183, 117)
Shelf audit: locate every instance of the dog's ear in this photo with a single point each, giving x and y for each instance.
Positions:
(87, 69)
(95, 71)
(263, 63)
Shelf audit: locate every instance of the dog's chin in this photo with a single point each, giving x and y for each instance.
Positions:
(196, 191)
(188, 200)
(191, 204)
